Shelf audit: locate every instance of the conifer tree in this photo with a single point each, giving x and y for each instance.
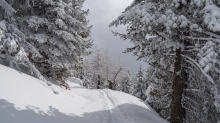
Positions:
(87, 74)
(140, 87)
(57, 30)
(182, 30)
(126, 82)
(54, 35)
(15, 50)
(133, 85)
(159, 89)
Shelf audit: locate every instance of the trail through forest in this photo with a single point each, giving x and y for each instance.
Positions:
(115, 115)
(22, 102)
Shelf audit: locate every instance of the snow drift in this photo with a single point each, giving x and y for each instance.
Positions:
(24, 99)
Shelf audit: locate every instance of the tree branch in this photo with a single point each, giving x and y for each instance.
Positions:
(173, 54)
(192, 50)
(212, 34)
(202, 39)
(195, 63)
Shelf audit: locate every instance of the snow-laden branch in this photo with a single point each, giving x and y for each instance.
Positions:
(195, 90)
(192, 50)
(173, 54)
(203, 39)
(190, 47)
(195, 63)
(212, 34)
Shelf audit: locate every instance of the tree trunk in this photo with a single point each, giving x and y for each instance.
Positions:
(177, 111)
(110, 84)
(99, 82)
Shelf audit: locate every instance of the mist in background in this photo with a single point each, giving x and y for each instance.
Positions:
(102, 13)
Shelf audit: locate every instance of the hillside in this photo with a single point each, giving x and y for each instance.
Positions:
(24, 99)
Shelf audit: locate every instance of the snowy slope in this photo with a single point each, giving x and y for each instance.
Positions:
(24, 99)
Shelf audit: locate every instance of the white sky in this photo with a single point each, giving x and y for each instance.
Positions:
(102, 12)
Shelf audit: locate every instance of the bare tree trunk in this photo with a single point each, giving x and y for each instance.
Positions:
(99, 82)
(110, 84)
(116, 75)
(177, 111)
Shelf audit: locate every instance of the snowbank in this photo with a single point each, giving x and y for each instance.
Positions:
(24, 99)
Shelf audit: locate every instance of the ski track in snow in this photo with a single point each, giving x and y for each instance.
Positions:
(21, 102)
(118, 110)
(115, 115)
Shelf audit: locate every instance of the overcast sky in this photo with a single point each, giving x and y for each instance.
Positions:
(102, 12)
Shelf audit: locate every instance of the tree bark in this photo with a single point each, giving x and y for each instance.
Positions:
(110, 84)
(177, 111)
(99, 82)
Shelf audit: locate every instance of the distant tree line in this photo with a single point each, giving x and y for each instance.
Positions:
(100, 71)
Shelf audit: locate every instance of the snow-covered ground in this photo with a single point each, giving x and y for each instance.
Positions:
(24, 99)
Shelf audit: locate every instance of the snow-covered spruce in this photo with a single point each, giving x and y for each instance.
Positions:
(139, 87)
(50, 35)
(184, 33)
(125, 83)
(159, 89)
(15, 50)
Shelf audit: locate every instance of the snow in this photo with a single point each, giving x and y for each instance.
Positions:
(211, 17)
(208, 56)
(3, 25)
(24, 99)
(61, 24)
(37, 22)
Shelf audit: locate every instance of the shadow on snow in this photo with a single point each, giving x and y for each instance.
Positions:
(130, 112)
